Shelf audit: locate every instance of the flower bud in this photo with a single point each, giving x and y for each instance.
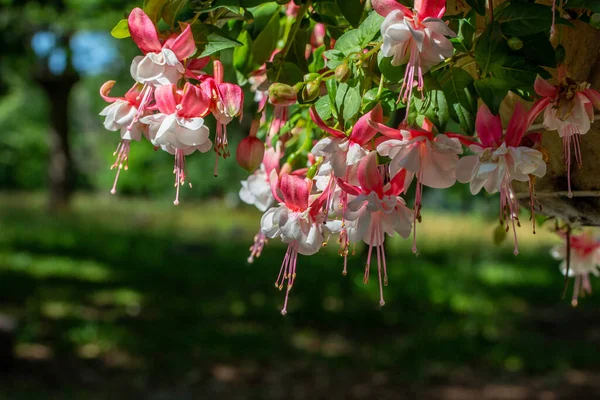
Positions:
(250, 153)
(515, 43)
(311, 76)
(342, 73)
(311, 91)
(282, 95)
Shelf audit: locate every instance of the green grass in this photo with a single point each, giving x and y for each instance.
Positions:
(127, 298)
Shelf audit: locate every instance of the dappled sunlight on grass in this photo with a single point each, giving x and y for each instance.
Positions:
(164, 294)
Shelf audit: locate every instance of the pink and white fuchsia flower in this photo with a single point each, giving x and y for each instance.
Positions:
(121, 116)
(415, 37)
(162, 63)
(300, 220)
(499, 159)
(584, 251)
(431, 159)
(344, 151)
(568, 109)
(256, 190)
(179, 127)
(376, 210)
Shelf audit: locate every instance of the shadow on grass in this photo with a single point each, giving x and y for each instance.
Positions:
(112, 303)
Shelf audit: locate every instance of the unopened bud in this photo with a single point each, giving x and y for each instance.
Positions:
(282, 95)
(515, 43)
(311, 91)
(250, 153)
(313, 76)
(342, 73)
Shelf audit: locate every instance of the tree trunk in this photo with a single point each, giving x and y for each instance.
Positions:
(60, 167)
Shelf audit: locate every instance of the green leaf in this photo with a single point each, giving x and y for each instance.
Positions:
(465, 32)
(211, 39)
(351, 10)
(477, 5)
(370, 27)
(392, 73)
(297, 52)
(457, 85)
(323, 107)
(490, 48)
(520, 19)
(317, 63)
(433, 105)
(349, 42)
(538, 50)
(230, 5)
(153, 8)
(242, 55)
(334, 58)
(517, 72)
(262, 15)
(492, 91)
(290, 74)
(121, 30)
(332, 87)
(171, 10)
(266, 41)
(348, 100)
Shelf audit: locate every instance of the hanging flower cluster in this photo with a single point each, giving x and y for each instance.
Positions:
(170, 98)
(339, 136)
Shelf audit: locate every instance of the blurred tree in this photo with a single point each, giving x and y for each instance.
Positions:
(38, 47)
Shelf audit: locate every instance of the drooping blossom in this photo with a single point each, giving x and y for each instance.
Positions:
(415, 37)
(376, 210)
(343, 151)
(584, 252)
(568, 109)
(256, 191)
(499, 159)
(417, 152)
(179, 127)
(228, 104)
(300, 220)
(162, 63)
(120, 115)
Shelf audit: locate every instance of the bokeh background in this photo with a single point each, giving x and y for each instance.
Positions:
(129, 297)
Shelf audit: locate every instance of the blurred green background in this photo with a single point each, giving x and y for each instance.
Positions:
(127, 296)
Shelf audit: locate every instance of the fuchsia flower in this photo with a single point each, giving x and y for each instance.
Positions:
(121, 116)
(228, 104)
(162, 62)
(300, 220)
(344, 151)
(569, 109)
(256, 190)
(431, 159)
(584, 260)
(415, 37)
(376, 210)
(179, 126)
(499, 159)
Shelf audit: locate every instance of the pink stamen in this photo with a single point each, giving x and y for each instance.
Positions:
(288, 272)
(221, 145)
(260, 240)
(180, 171)
(571, 139)
(509, 208)
(408, 82)
(553, 17)
(121, 161)
(146, 95)
(381, 300)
